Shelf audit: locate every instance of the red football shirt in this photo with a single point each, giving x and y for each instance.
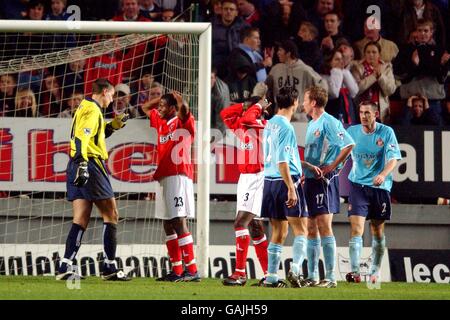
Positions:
(248, 127)
(175, 138)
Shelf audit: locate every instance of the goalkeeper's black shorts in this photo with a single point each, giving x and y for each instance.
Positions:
(97, 187)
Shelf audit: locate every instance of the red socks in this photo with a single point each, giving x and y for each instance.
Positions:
(242, 243)
(261, 245)
(174, 253)
(186, 244)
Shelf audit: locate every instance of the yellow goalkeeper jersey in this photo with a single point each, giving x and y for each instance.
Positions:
(87, 138)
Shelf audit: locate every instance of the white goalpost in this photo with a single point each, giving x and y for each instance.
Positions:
(186, 67)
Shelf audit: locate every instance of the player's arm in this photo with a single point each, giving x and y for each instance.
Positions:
(183, 108)
(292, 192)
(342, 156)
(146, 106)
(337, 135)
(312, 168)
(379, 179)
(115, 124)
(231, 115)
(85, 127)
(250, 117)
(392, 153)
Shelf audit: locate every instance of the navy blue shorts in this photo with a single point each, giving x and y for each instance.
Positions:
(275, 195)
(322, 195)
(97, 187)
(369, 202)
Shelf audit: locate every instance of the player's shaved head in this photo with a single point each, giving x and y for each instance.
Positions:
(101, 84)
(373, 106)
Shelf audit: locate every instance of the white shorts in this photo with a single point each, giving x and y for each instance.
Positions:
(250, 193)
(175, 198)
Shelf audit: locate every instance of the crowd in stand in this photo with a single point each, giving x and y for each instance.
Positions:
(398, 59)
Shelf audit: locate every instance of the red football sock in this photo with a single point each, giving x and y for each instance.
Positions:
(186, 244)
(242, 243)
(261, 245)
(174, 253)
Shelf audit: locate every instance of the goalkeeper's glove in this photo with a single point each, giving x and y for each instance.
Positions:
(119, 121)
(82, 175)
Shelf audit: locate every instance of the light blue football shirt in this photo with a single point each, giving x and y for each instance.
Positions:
(280, 145)
(325, 138)
(371, 153)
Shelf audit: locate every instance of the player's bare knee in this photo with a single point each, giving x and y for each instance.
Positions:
(82, 222)
(256, 229)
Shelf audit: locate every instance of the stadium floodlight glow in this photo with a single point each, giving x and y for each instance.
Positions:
(203, 87)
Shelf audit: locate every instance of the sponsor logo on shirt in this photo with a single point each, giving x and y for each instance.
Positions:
(87, 131)
(341, 135)
(164, 139)
(246, 146)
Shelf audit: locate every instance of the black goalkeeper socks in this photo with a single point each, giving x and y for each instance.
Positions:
(109, 243)
(73, 244)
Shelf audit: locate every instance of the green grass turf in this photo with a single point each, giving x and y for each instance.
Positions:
(29, 288)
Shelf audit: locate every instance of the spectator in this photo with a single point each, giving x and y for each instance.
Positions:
(418, 112)
(130, 12)
(121, 103)
(8, 85)
(240, 83)
(247, 55)
(156, 92)
(342, 88)
(25, 104)
(415, 10)
(58, 10)
(332, 21)
(348, 55)
(317, 15)
(106, 66)
(73, 102)
(308, 47)
(167, 15)
(35, 10)
(143, 91)
(249, 12)
(56, 41)
(375, 80)
(73, 76)
(220, 99)
(293, 73)
(372, 28)
(423, 66)
(50, 100)
(25, 44)
(225, 37)
(31, 79)
(149, 9)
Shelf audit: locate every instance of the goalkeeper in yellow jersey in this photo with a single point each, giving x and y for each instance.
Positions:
(87, 179)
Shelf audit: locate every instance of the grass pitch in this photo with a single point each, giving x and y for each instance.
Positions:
(93, 288)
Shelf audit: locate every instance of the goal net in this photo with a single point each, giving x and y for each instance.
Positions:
(46, 69)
